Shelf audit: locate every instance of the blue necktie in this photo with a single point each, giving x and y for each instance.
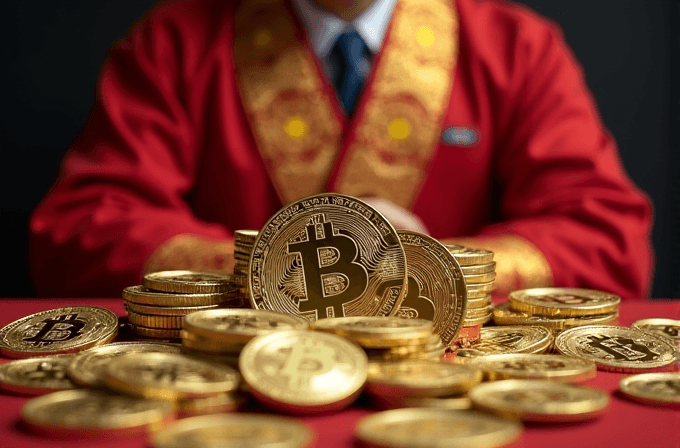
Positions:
(349, 87)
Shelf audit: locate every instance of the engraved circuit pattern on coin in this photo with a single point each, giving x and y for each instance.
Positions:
(659, 389)
(303, 371)
(86, 413)
(617, 348)
(420, 428)
(58, 331)
(563, 301)
(436, 289)
(328, 256)
(36, 376)
(534, 366)
(241, 430)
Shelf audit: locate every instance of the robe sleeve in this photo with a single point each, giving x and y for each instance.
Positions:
(563, 187)
(123, 185)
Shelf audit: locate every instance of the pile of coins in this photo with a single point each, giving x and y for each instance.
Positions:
(156, 308)
(558, 308)
(243, 248)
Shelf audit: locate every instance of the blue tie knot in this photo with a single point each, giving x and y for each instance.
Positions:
(353, 49)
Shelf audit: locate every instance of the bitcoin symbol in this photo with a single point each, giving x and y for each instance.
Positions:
(47, 371)
(307, 357)
(63, 328)
(332, 277)
(567, 299)
(423, 306)
(622, 349)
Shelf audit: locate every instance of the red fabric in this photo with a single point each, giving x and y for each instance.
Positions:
(624, 424)
(168, 150)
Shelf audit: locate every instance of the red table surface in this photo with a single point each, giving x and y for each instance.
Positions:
(625, 424)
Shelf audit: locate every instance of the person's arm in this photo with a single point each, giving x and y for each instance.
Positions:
(120, 202)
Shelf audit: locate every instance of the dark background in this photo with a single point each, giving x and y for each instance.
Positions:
(51, 52)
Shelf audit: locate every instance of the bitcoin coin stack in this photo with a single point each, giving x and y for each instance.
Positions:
(558, 308)
(243, 247)
(156, 308)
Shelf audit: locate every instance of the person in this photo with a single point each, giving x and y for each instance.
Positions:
(466, 119)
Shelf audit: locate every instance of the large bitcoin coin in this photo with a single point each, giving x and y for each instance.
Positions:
(328, 256)
(436, 288)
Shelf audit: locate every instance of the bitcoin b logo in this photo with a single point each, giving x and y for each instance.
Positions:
(332, 276)
(416, 305)
(62, 328)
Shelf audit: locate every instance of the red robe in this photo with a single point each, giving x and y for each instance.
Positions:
(168, 150)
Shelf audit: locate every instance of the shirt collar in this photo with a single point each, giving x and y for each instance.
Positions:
(323, 28)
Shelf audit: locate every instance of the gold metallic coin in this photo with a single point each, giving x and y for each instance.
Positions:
(514, 339)
(246, 235)
(503, 315)
(539, 400)
(617, 349)
(435, 428)
(238, 326)
(165, 310)
(328, 255)
(480, 289)
(660, 389)
(86, 369)
(160, 322)
(234, 431)
(477, 279)
(195, 343)
(378, 332)
(476, 269)
(563, 302)
(436, 289)
(667, 328)
(303, 371)
(36, 376)
(470, 256)
(187, 282)
(80, 414)
(477, 321)
(58, 331)
(477, 313)
(479, 302)
(168, 376)
(534, 366)
(420, 378)
(156, 333)
(216, 404)
(144, 296)
(453, 403)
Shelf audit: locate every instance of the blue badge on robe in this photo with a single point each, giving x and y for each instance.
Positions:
(460, 136)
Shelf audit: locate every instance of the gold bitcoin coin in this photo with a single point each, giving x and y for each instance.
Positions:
(514, 339)
(86, 369)
(503, 315)
(328, 256)
(80, 414)
(169, 376)
(563, 302)
(667, 328)
(238, 326)
(246, 235)
(436, 289)
(477, 313)
(480, 279)
(477, 269)
(303, 371)
(469, 256)
(58, 331)
(159, 322)
(480, 290)
(427, 428)
(378, 332)
(143, 296)
(534, 366)
(659, 389)
(187, 282)
(539, 400)
(234, 430)
(453, 403)
(36, 376)
(166, 310)
(420, 378)
(479, 302)
(617, 349)
(156, 333)
(477, 320)
(216, 404)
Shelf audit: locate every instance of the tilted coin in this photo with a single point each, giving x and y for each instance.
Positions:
(453, 402)
(378, 332)
(539, 400)
(58, 331)
(86, 369)
(303, 371)
(479, 268)
(169, 376)
(534, 366)
(563, 302)
(238, 326)
(436, 289)
(503, 315)
(187, 282)
(660, 389)
(420, 378)
(514, 339)
(36, 376)
(234, 431)
(667, 328)
(82, 413)
(617, 349)
(328, 255)
(470, 256)
(435, 428)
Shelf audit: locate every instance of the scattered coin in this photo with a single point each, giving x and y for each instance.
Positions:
(564, 302)
(453, 403)
(659, 389)
(503, 315)
(667, 328)
(36, 376)
(534, 366)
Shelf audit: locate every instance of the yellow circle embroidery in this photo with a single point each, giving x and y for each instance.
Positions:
(296, 127)
(425, 36)
(399, 129)
(262, 38)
